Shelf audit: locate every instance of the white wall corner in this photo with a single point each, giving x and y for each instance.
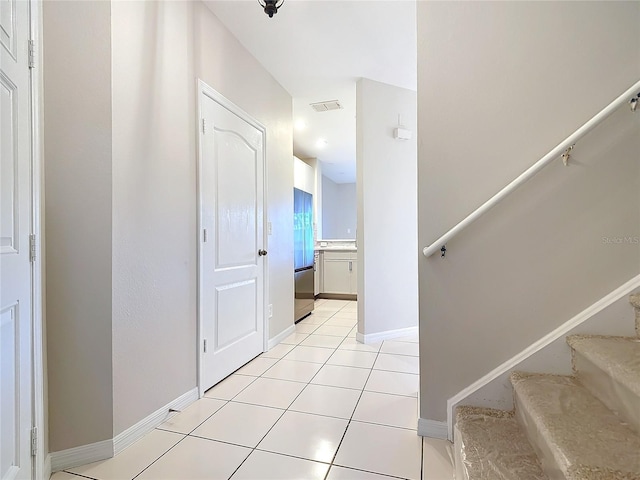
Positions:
(144, 426)
(46, 468)
(281, 336)
(432, 429)
(74, 457)
(105, 449)
(386, 335)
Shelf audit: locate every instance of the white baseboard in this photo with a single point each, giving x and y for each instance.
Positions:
(95, 452)
(386, 335)
(432, 429)
(557, 334)
(144, 426)
(74, 457)
(46, 468)
(281, 336)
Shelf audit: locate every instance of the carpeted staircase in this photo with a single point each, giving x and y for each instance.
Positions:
(580, 427)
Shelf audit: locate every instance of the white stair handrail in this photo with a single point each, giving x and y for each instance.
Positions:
(631, 96)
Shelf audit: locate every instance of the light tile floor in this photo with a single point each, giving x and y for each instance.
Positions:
(318, 406)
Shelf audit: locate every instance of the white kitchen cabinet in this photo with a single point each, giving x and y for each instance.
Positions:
(339, 272)
(354, 277)
(337, 278)
(303, 176)
(317, 273)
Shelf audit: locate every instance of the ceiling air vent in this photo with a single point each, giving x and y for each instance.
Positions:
(326, 106)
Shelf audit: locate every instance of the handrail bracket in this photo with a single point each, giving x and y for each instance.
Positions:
(566, 156)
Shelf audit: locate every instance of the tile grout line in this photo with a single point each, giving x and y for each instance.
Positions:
(77, 474)
(323, 364)
(234, 396)
(253, 449)
(148, 466)
(226, 402)
(280, 417)
(362, 390)
(351, 418)
(335, 349)
(370, 471)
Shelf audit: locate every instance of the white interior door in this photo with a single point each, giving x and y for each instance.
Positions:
(231, 215)
(15, 227)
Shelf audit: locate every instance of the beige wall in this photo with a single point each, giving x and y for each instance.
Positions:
(223, 63)
(159, 50)
(77, 169)
(500, 84)
(387, 209)
(339, 210)
(154, 208)
(155, 52)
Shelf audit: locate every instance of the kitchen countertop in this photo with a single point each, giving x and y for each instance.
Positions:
(337, 248)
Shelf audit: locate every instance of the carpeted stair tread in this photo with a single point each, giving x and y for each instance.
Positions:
(584, 473)
(495, 447)
(635, 301)
(619, 356)
(577, 436)
(609, 367)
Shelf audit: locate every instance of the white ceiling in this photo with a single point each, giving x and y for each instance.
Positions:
(317, 50)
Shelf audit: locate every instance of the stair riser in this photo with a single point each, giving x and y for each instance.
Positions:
(613, 394)
(461, 472)
(635, 302)
(490, 445)
(551, 465)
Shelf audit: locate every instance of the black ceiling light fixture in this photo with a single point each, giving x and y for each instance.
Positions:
(271, 6)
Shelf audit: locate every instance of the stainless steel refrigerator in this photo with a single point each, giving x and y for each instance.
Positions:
(303, 252)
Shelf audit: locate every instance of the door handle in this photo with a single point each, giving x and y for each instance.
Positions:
(262, 253)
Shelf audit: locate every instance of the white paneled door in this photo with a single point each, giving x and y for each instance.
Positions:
(232, 244)
(15, 227)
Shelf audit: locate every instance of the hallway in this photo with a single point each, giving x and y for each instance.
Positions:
(317, 406)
